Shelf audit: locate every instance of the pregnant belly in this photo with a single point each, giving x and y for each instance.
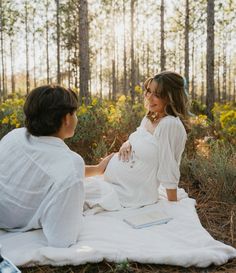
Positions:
(116, 169)
(133, 172)
(134, 181)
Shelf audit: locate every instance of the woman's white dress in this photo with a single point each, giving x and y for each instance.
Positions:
(154, 160)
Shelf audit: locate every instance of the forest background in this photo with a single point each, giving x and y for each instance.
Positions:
(104, 50)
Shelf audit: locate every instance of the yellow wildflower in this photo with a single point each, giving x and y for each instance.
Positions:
(5, 120)
(122, 99)
(94, 101)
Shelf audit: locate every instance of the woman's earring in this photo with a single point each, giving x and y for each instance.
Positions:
(165, 109)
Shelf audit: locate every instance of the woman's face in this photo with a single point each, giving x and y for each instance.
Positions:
(155, 104)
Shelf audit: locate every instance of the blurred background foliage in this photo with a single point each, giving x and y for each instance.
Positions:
(209, 160)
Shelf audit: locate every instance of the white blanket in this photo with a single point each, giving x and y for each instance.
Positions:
(183, 241)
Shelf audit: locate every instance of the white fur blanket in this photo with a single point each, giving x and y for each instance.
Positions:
(183, 241)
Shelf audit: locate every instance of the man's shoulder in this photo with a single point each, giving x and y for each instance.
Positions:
(15, 133)
(68, 167)
(75, 158)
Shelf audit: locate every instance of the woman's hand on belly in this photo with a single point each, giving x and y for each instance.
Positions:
(125, 151)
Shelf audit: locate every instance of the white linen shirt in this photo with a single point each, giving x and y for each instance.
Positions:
(41, 186)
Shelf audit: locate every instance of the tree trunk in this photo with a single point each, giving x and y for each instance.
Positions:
(132, 91)
(34, 53)
(100, 66)
(76, 57)
(5, 65)
(218, 79)
(186, 47)
(137, 72)
(114, 53)
(13, 85)
(58, 42)
(148, 58)
(27, 48)
(117, 63)
(1, 96)
(224, 97)
(69, 68)
(229, 86)
(47, 45)
(163, 55)
(210, 98)
(83, 50)
(110, 88)
(179, 53)
(2, 53)
(143, 57)
(124, 52)
(193, 72)
(234, 90)
(202, 79)
(113, 80)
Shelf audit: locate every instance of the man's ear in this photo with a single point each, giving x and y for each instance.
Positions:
(66, 120)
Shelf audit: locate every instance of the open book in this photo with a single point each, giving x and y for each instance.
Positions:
(147, 219)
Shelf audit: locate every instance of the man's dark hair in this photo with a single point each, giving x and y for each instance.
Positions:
(45, 107)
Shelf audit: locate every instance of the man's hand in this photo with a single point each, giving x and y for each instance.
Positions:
(103, 164)
(125, 151)
(91, 170)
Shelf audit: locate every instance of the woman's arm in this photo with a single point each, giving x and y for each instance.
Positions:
(171, 137)
(171, 194)
(91, 170)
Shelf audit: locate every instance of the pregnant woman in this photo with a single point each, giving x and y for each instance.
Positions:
(152, 154)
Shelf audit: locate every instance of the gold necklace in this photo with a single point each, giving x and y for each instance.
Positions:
(156, 118)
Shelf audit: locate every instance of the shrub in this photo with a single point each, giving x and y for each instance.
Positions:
(200, 127)
(11, 115)
(214, 172)
(198, 108)
(103, 126)
(225, 121)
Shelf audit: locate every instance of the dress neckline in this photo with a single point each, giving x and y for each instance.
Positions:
(152, 134)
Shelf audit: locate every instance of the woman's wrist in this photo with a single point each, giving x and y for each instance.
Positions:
(98, 169)
(91, 170)
(171, 194)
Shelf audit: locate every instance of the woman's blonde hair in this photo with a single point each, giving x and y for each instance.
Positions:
(171, 86)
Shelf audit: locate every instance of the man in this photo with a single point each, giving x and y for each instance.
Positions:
(41, 179)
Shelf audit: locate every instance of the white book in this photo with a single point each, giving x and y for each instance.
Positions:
(147, 219)
(6, 266)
